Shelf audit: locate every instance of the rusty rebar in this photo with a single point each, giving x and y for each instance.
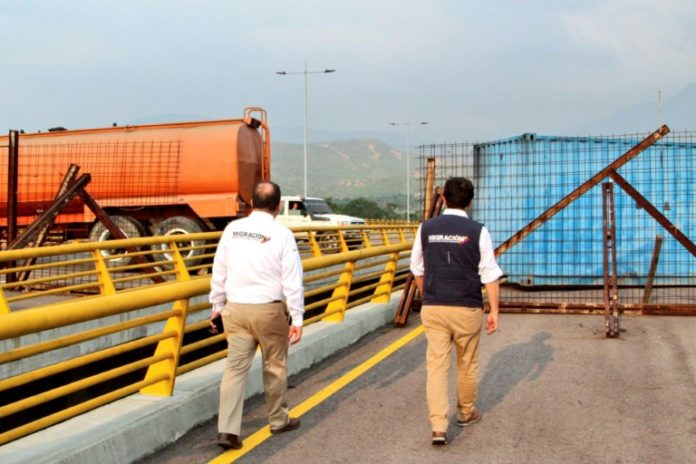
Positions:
(69, 178)
(429, 183)
(529, 307)
(652, 211)
(117, 233)
(403, 309)
(611, 291)
(50, 213)
(12, 184)
(653, 269)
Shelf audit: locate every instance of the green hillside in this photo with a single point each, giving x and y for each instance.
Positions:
(344, 170)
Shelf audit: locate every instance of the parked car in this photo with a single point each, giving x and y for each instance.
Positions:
(300, 211)
(308, 211)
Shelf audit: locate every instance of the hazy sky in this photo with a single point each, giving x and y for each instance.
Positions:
(474, 70)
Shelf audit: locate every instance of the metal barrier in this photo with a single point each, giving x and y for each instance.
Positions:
(80, 268)
(541, 199)
(137, 329)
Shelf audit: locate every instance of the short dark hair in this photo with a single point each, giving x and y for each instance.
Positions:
(266, 195)
(458, 192)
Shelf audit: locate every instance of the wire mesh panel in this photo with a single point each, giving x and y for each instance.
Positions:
(123, 174)
(451, 160)
(520, 178)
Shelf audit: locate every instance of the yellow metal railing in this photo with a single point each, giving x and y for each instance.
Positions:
(137, 320)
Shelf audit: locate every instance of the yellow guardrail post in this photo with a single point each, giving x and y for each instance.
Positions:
(179, 264)
(313, 245)
(385, 237)
(336, 310)
(342, 240)
(106, 285)
(365, 238)
(170, 346)
(386, 280)
(4, 307)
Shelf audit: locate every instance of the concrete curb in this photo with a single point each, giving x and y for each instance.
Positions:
(136, 426)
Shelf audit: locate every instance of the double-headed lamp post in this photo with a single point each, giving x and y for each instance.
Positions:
(408, 158)
(305, 72)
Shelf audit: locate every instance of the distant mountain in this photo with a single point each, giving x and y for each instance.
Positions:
(343, 170)
(296, 135)
(679, 114)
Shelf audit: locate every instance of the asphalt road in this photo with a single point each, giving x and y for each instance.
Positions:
(552, 389)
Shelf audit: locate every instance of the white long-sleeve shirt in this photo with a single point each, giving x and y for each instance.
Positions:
(257, 262)
(488, 268)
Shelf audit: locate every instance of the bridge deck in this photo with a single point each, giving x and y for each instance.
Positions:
(552, 389)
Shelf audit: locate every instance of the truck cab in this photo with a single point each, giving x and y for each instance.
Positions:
(302, 211)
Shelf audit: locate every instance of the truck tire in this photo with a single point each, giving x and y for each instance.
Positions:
(130, 227)
(180, 225)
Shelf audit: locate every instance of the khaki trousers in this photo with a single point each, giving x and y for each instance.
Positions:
(246, 327)
(445, 326)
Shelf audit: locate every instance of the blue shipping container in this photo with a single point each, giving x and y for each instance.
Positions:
(519, 178)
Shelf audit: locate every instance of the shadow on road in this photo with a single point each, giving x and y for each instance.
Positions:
(510, 366)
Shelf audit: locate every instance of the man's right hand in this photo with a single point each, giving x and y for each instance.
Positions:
(294, 334)
(493, 294)
(492, 322)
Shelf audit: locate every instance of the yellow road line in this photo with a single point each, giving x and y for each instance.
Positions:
(264, 433)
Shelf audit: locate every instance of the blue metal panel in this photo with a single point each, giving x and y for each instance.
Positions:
(519, 178)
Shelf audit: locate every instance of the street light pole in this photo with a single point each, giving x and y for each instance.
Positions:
(408, 161)
(304, 170)
(305, 72)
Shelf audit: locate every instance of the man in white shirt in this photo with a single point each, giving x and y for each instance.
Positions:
(256, 285)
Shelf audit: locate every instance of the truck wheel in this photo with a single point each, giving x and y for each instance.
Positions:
(181, 225)
(130, 227)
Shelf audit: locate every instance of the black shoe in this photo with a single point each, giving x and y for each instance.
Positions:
(228, 441)
(293, 423)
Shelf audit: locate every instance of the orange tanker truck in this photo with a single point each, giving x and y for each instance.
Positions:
(158, 179)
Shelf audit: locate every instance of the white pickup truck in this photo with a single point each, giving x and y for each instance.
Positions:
(300, 211)
(309, 211)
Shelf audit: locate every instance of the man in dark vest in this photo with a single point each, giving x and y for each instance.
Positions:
(452, 256)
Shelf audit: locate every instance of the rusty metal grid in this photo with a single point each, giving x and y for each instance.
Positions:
(122, 173)
(559, 265)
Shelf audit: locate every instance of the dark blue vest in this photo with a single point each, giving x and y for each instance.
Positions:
(451, 256)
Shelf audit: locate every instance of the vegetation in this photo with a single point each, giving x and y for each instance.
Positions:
(363, 178)
(344, 169)
(365, 208)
